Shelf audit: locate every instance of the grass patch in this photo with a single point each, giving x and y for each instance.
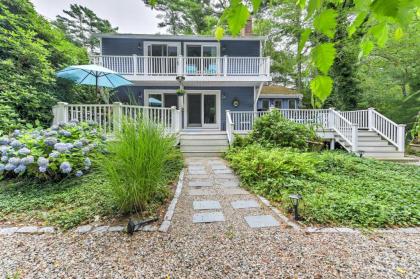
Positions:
(337, 188)
(63, 204)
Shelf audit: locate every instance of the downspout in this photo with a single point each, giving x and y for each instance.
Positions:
(258, 95)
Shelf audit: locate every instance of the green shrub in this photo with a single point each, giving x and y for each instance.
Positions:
(52, 153)
(337, 188)
(142, 161)
(274, 130)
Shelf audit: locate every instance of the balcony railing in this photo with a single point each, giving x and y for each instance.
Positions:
(187, 66)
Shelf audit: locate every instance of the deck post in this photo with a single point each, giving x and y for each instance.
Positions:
(401, 137)
(370, 118)
(135, 64)
(61, 113)
(116, 115)
(268, 65)
(331, 118)
(225, 66)
(180, 65)
(174, 120)
(354, 137)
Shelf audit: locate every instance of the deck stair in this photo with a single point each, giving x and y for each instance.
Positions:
(203, 143)
(372, 145)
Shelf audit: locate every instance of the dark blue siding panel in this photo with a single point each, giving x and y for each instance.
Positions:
(240, 48)
(127, 46)
(245, 95)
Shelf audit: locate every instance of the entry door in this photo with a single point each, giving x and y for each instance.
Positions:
(163, 57)
(202, 110)
(194, 111)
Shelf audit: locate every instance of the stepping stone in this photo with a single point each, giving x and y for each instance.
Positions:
(200, 183)
(208, 217)
(198, 176)
(234, 191)
(196, 167)
(228, 183)
(201, 192)
(245, 204)
(261, 221)
(225, 171)
(215, 162)
(202, 205)
(197, 172)
(219, 167)
(225, 176)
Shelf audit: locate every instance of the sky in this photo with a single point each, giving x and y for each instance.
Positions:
(131, 16)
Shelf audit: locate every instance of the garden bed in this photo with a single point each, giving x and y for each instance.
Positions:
(338, 189)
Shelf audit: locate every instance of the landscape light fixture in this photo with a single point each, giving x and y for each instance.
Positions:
(133, 226)
(295, 202)
(361, 153)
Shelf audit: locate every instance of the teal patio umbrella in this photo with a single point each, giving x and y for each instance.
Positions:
(93, 75)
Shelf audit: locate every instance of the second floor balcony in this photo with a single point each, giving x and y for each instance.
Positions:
(199, 68)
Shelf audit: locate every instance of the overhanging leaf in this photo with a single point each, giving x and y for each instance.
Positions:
(366, 47)
(398, 34)
(237, 16)
(380, 33)
(321, 87)
(256, 5)
(301, 4)
(304, 36)
(356, 23)
(326, 23)
(313, 5)
(219, 33)
(323, 56)
(385, 7)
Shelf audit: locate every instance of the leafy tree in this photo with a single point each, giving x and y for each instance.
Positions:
(187, 16)
(377, 16)
(31, 51)
(81, 24)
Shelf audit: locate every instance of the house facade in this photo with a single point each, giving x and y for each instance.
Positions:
(216, 75)
(279, 97)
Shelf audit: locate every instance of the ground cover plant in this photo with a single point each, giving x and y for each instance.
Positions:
(337, 188)
(63, 204)
(141, 163)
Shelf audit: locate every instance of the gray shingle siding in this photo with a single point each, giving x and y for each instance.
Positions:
(130, 46)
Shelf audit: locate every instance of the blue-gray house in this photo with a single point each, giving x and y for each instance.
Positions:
(216, 75)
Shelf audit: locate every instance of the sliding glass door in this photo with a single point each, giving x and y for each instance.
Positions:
(202, 110)
(162, 57)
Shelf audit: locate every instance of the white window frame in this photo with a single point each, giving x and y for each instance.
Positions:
(202, 44)
(148, 92)
(146, 45)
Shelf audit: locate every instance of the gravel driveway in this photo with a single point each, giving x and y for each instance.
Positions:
(228, 249)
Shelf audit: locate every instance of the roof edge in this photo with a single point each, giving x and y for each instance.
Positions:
(179, 37)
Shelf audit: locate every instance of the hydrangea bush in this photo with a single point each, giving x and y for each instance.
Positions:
(52, 153)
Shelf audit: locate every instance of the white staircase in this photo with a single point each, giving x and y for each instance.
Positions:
(372, 145)
(203, 143)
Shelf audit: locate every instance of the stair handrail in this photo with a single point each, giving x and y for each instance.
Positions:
(388, 129)
(344, 128)
(229, 127)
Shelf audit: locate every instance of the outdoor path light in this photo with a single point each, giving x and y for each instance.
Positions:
(133, 226)
(295, 202)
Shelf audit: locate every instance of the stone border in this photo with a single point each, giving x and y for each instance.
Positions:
(279, 214)
(164, 227)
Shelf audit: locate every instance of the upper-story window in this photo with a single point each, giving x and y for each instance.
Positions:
(159, 49)
(202, 49)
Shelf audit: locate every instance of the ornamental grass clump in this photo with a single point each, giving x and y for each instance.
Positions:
(137, 166)
(49, 154)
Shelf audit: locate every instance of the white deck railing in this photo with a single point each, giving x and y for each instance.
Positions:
(110, 116)
(188, 66)
(344, 128)
(359, 117)
(388, 129)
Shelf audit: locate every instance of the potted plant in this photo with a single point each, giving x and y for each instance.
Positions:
(180, 92)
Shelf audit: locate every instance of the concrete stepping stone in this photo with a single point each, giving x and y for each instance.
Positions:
(215, 162)
(245, 204)
(200, 183)
(219, 167)
(198, 176)
(197, 172)
(201, 192)
(225, 171)
(261, 221)
(225, 176)
(233, 191)
(228, 183)
(208, 217)
(209, 204)
(196, 167)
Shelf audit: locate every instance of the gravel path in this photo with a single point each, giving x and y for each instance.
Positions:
(229, 249)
